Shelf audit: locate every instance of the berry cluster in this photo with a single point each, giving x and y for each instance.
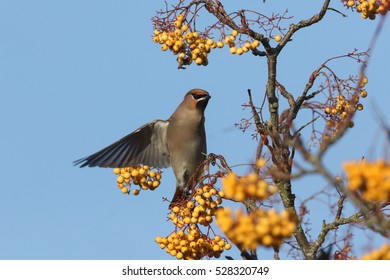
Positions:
(143, 176)
(371, 180)
(370, 8)
(338, 108)
(200, 209)
(190, 46)
(244, 48)
(259, 227)
(249, 186)
(382, 253)
(192, 244)
(187, 216)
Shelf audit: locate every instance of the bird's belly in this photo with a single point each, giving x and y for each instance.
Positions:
(187, 156)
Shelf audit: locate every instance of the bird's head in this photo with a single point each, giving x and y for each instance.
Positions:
(197, 98)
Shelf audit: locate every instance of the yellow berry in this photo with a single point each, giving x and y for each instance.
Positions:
(220, 44)
(189, 36)
(255, 44)
(135, 192)
(190, 205)
(363, 93)
(267, 240)
(169, 43)
(213, 205)
(164, 36)
(125, 190)
(359, 106)
(351, 3)
(141, 171)
(120, 179)
(216, 248)
(233, 50)
(179, 255)
(277, 38)
(202, 220)
(117, 171)
(184, 28)
(202, 201)
(198, 60)
(177, 32)
(210, 42)
(234, 33)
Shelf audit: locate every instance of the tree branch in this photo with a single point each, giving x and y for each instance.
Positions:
(302, 24)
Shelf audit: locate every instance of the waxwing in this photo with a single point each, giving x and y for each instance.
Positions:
(179, 142)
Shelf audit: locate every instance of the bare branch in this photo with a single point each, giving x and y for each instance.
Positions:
(302, 24)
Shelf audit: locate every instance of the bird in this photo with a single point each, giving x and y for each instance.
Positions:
(178, 142)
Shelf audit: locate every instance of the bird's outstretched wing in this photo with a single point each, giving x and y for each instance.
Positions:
(146, 145)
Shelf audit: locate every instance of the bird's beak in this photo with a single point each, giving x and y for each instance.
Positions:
(206, 97)
(202, 102)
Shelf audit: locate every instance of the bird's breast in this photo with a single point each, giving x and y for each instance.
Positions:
(186, 144)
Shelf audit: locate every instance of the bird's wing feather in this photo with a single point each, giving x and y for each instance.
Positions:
(146, 145)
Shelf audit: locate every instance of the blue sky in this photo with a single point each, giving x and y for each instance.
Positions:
(76, 76)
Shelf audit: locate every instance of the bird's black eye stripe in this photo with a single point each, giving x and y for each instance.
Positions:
(197, 96)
